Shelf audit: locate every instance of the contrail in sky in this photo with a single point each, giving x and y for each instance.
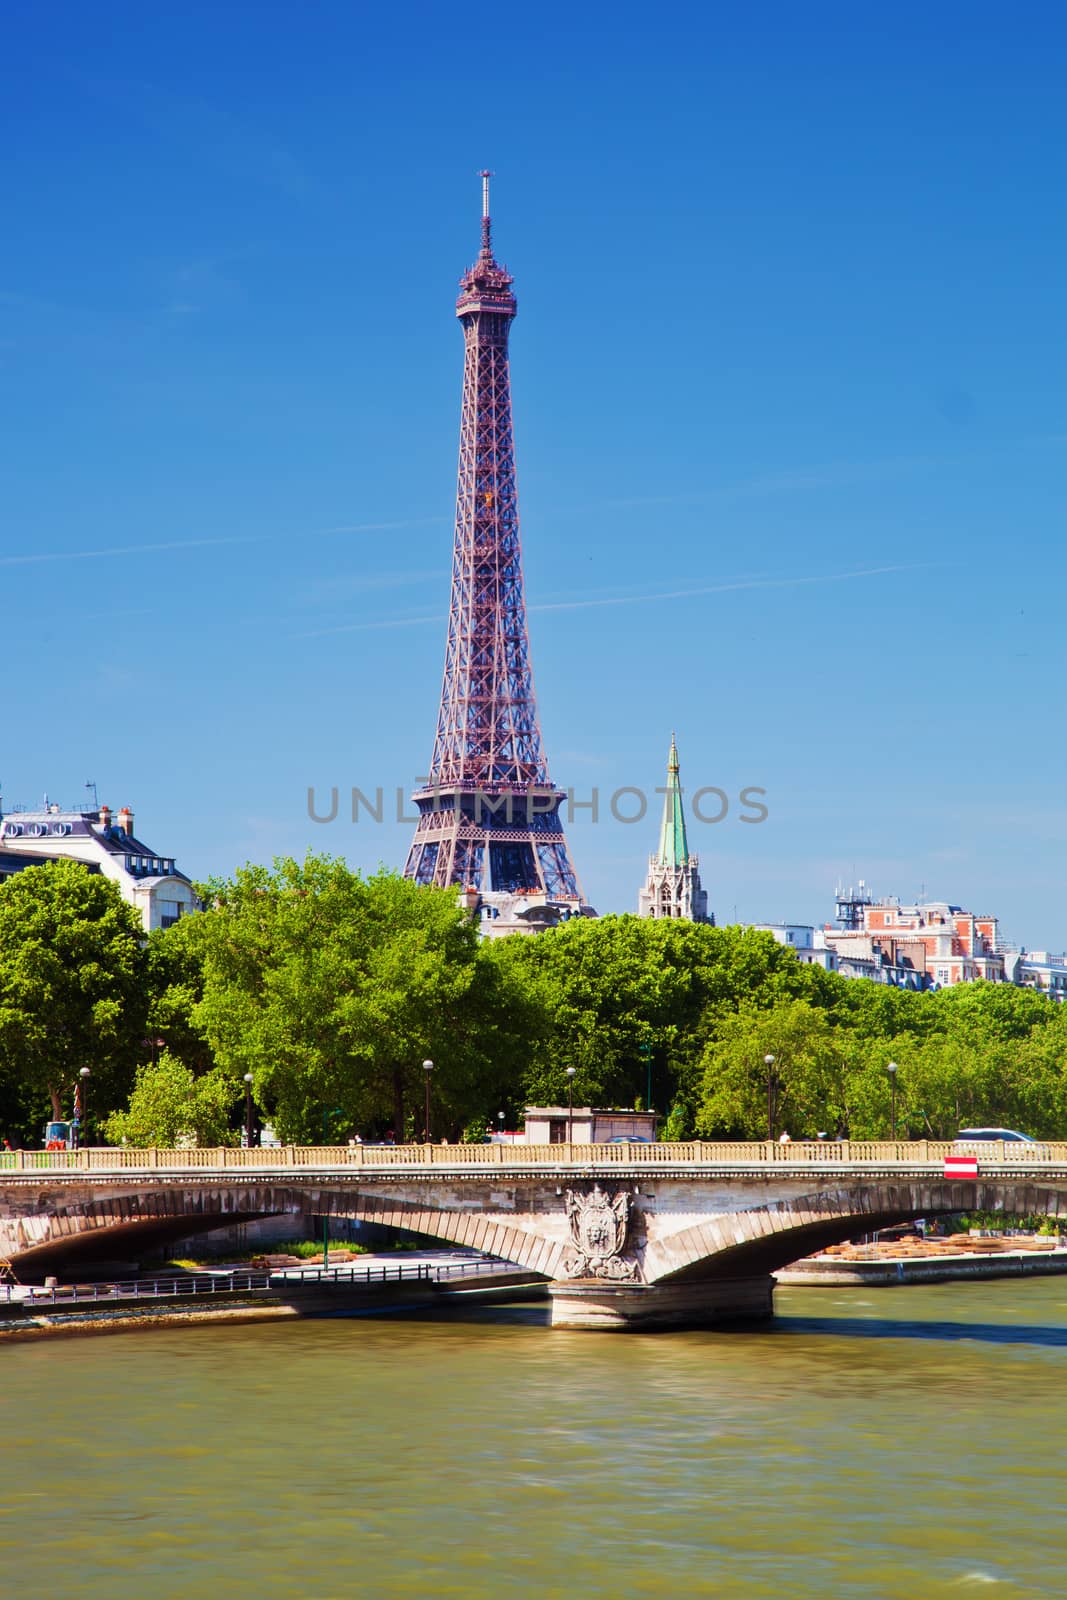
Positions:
(364, 627)
(790, 481)
(726, 588)
(35, 557)
(116, 550)
(638, 599)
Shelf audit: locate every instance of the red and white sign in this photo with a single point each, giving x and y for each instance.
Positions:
(961, 1166)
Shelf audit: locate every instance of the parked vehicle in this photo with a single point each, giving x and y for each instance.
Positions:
(60, 1136)
(977, 1136)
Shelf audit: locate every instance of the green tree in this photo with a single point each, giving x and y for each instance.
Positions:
(332, 990)
(976, 1054)
(804, 1085)
(175, 978)
(20, 1111)
(607, 991)
(1039, 1080)
(170, 1106)
(983, 1013)
(72, 985)
(611, 987)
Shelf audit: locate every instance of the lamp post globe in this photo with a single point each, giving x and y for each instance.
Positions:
(427, 1067)
(83, 1104)
(892, 1069)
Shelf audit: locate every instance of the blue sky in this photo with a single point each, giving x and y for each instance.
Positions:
(790, 411)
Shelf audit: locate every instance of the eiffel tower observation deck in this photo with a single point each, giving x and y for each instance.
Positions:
(489, 813)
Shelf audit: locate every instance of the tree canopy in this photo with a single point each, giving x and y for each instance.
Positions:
(73, 989)
(169, 1105)
(332, 989)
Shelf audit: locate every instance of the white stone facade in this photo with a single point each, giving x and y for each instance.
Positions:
(673, 891)
(805, 940)
(107, 844)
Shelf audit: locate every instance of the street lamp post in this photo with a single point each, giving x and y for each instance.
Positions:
(645, 1052)
(500, 1119)
(570, 1104)
(427, 1067)
(768, 1062)
(248, 1111)
(892, 1069)
(83, 1104)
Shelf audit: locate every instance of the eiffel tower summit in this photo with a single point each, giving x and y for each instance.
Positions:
(489, 814)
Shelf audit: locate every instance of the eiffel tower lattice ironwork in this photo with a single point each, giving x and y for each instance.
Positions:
(489, 814)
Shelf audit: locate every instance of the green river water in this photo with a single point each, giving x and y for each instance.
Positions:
(906, 1442)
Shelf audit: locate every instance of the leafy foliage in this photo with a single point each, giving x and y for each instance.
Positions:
(618, 986)
(72, 985)
(801, 1085)
(175, 975)
(332, 989)
(710, 1004)
(170, 1106)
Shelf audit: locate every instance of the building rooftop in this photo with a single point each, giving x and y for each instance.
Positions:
(111, 832)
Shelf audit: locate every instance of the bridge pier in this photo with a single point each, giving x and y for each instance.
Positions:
(591, 1303)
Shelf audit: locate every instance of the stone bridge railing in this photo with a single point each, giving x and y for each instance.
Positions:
(750, 1154)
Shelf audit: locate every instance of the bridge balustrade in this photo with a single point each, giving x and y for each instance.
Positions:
(735, 1153)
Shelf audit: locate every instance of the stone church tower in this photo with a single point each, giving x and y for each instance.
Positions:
(672, 888)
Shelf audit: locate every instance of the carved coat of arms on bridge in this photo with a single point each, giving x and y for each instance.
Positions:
(599, 1224)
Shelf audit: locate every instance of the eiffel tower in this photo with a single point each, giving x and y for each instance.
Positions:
(489, 813)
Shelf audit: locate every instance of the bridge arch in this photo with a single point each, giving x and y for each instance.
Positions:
(139, 1220)
(763, 1239)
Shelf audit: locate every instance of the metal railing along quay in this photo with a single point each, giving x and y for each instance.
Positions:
(428, 1271)
(183, 1285)
(198, 1283)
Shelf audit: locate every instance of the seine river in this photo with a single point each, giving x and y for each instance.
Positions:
(880, 1444)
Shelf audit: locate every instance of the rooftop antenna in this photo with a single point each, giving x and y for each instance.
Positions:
(91, 786)
(487, 243)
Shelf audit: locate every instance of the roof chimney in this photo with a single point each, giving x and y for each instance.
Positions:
(105, 816)
(125, 820)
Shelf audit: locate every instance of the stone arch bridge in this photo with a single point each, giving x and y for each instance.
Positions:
(626, 1235)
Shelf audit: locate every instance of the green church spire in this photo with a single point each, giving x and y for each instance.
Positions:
(673, 846)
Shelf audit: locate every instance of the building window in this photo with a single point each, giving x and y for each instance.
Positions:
(169, 912)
